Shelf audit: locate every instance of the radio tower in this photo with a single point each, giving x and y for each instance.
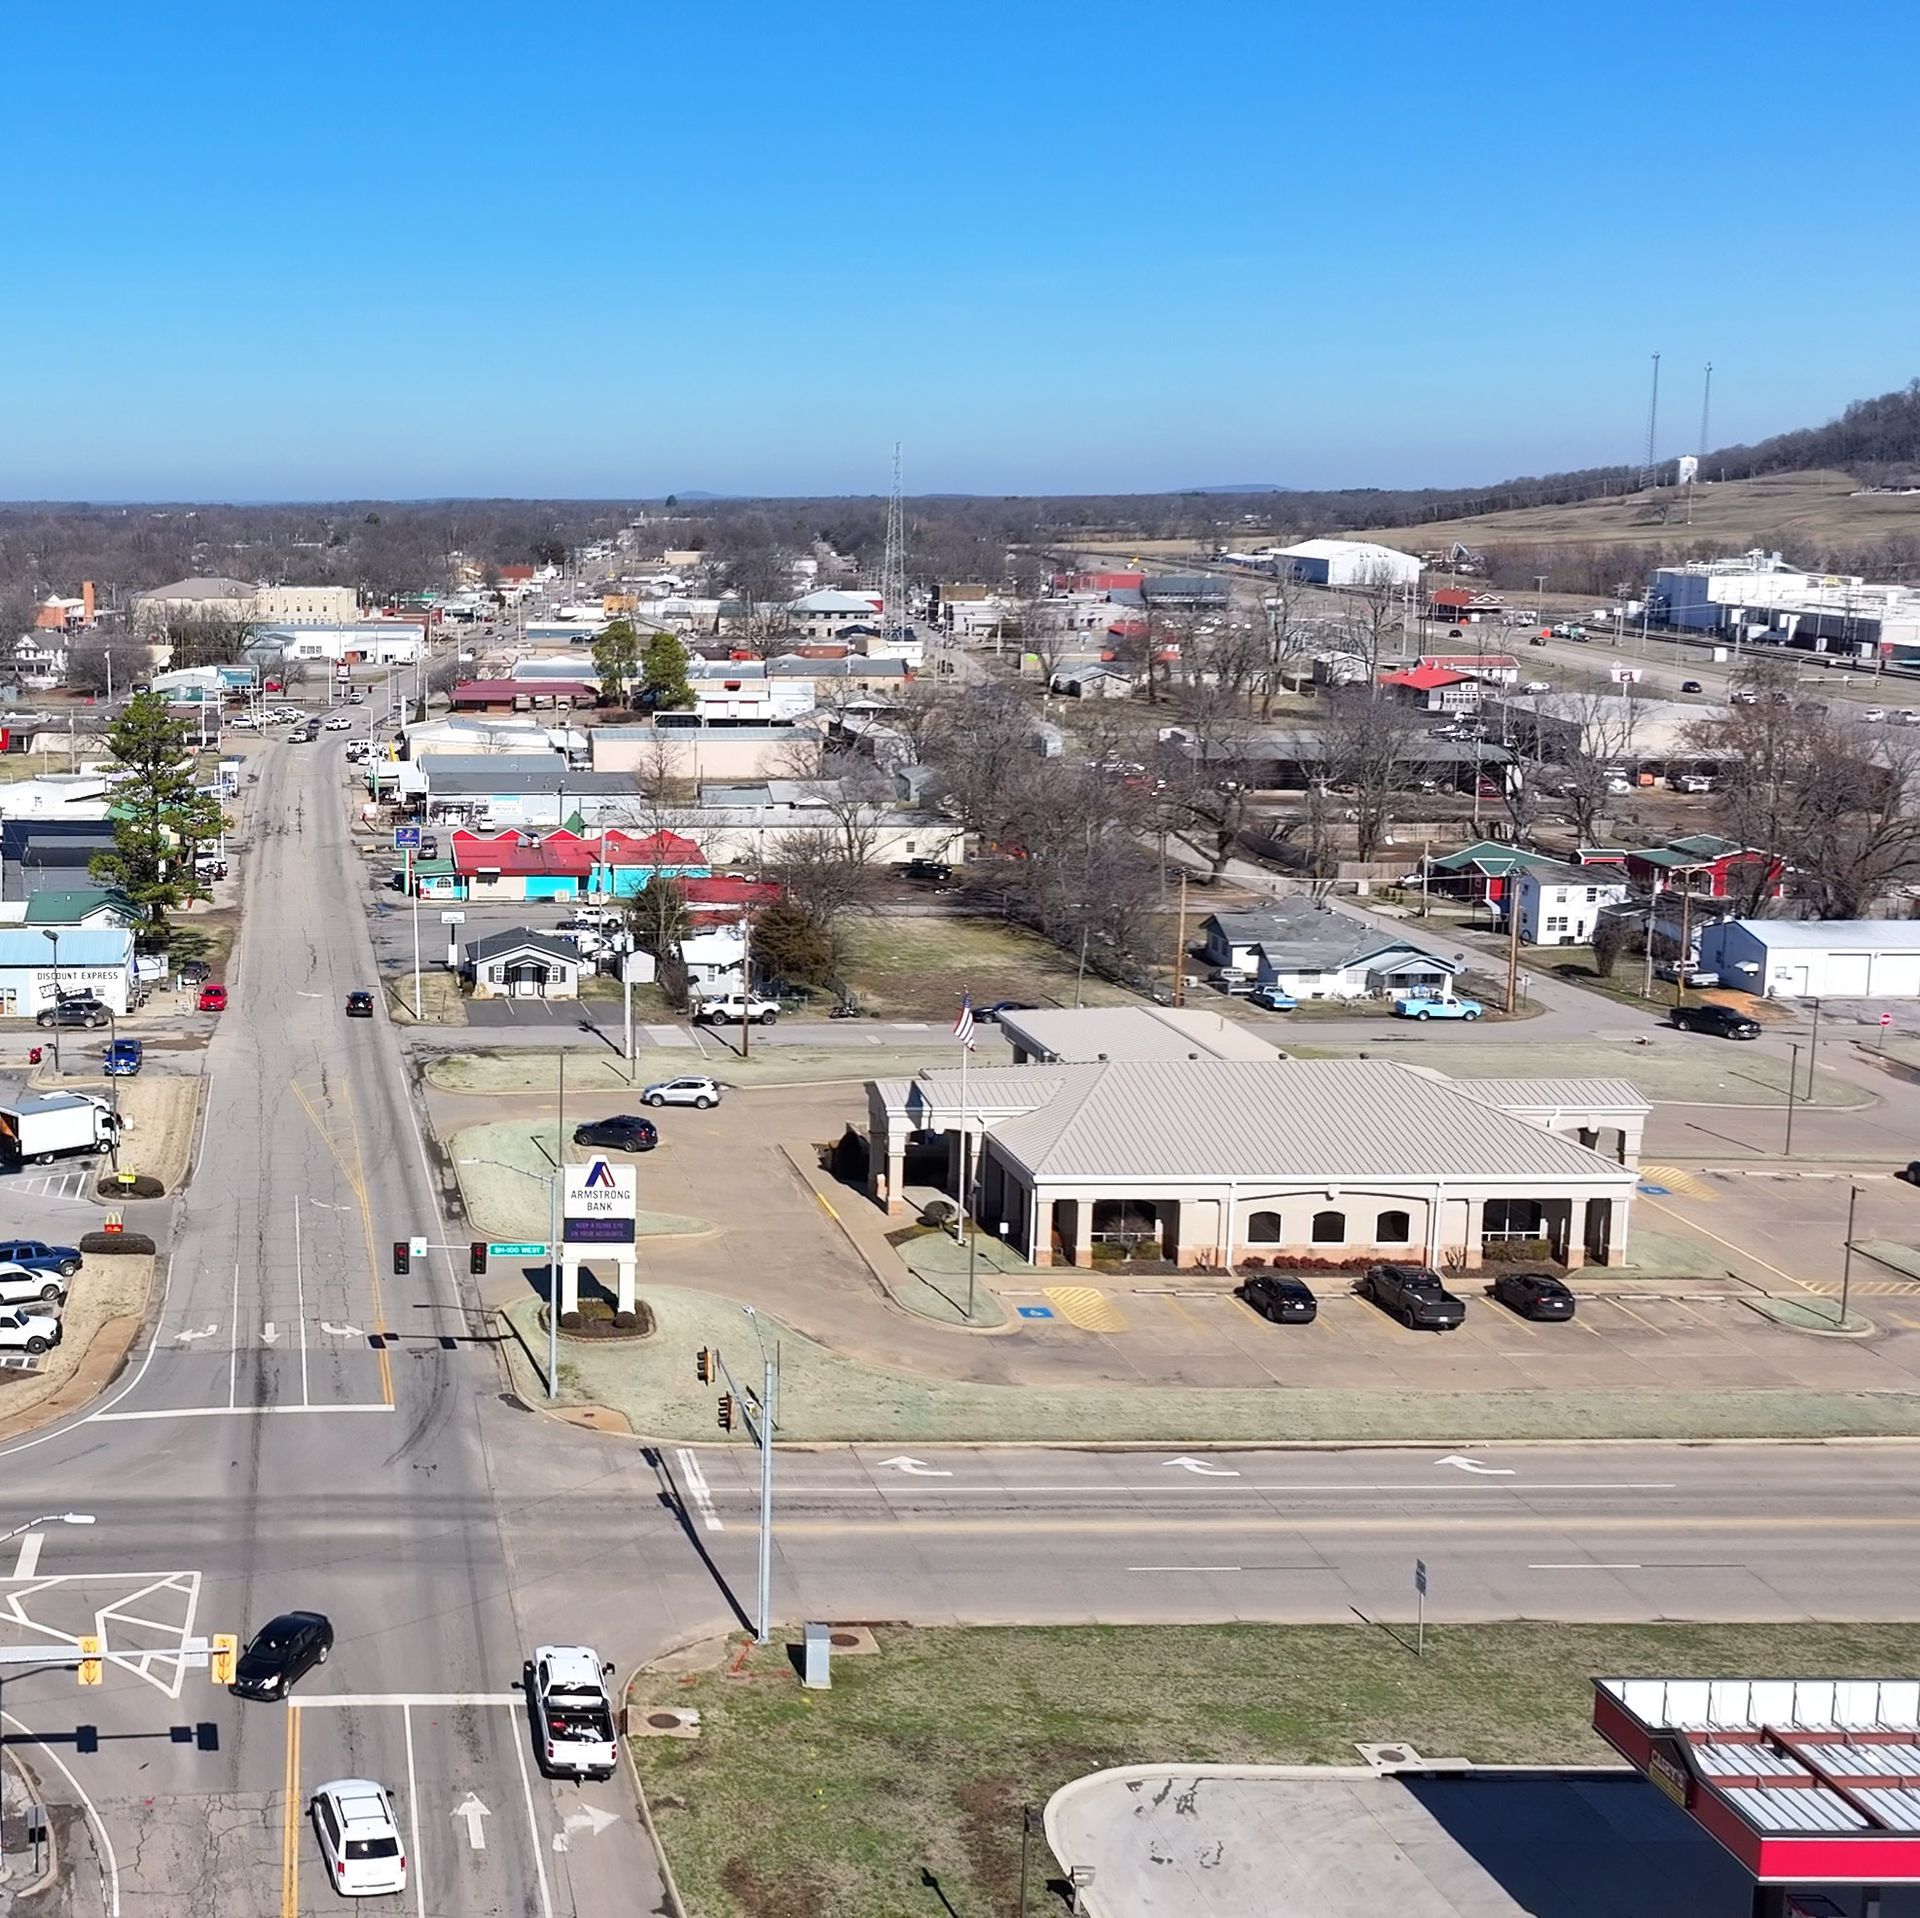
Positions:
(1706, 408)
(893, 567)
(1653, 421)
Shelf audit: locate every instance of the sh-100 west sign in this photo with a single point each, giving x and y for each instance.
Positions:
(601, 1202)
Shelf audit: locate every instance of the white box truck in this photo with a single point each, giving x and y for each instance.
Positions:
(50, 1125)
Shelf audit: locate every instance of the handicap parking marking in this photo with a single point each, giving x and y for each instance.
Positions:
(1034, 1311)
(1087, 1307)
(1661, 1181)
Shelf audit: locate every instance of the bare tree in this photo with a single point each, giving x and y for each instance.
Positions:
(1206, 771)
(1588, 738)
(1369, 743)
(1288, 639)
(1372, 625)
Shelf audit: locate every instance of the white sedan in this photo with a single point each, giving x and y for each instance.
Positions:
(339, 723)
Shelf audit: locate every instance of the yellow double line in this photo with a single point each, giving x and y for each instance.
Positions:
(355, 1177)
(290, 1822)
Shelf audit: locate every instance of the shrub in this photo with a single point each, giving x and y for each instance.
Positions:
(570, 1321)
(140, 1187)
(106, 1244)
(1517, 1252)
(1253, 1262)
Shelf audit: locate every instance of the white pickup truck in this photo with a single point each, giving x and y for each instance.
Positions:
(734, 1008)
(573, 1716)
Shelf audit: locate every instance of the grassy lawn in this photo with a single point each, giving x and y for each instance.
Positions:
(528, 1070)
(502, 1169)
(918, 968)
(796, 1804)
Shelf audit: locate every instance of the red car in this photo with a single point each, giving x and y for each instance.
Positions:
(213, 997)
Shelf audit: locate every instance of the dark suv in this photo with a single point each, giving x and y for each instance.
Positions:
(74, 1009)
(1724, 1022)
(625, 1132)
(1534, 1295)
(1416, 1295)
(934, 871)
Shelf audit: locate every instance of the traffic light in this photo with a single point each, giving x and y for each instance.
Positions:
(91, 1669)
(477, 1258)
(402, 1258)
(703, 1365)
(225, 1650)
(726, 1411)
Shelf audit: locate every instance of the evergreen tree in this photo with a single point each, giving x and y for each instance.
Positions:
(616, 658)
(663, 674)
(159, 818)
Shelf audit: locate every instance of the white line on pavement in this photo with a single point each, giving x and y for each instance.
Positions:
(367, 1701)
(533, 1828)
(29, 1560)
(413, 1819)
(237, 1411)
(1192, 1487)
(702, 1492)
(233, 1350)
(1625, 1565)
(300, 1303)
(1183, 1568)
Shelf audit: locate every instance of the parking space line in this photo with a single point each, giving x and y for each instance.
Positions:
(1636, 1318)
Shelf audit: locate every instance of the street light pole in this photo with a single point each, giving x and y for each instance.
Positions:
(1793, 1081)
(1846, 1255)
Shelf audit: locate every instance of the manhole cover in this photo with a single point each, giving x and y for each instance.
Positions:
(663, 1721)
(843, 1638)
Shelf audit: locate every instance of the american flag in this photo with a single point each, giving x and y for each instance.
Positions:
(963, 1026)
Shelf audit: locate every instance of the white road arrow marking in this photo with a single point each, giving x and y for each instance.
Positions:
(590, 1819)
(919, 1468)
(1201, 1466)
(471, 1809)
(270, 1333)
(207, 1334)
(342, 1331)
(1470, 1465)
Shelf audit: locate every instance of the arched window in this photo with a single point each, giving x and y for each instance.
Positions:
(1264, 1229)
(1392, 1228)
(1329, 1228)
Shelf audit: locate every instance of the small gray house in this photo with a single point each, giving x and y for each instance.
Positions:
(1315, 951)
(523, 965)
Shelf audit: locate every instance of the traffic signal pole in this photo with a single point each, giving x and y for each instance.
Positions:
(760, 1419)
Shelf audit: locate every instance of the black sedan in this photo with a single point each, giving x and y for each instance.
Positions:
(1534, 1295)
(281, 1653)
(359, 1005)
(1284, 1301)
(625, 1132)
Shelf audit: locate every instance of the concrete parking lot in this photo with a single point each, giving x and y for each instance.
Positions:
(1208, 1843)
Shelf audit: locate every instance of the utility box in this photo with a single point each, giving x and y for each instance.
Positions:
(816, 1657)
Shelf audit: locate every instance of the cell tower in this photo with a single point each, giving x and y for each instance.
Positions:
(893, 567)
(1653, 422)
(1706, 408)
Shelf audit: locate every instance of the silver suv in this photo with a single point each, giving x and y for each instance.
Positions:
(689, 1091)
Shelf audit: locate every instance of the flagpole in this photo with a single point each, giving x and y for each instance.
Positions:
(966, 1229)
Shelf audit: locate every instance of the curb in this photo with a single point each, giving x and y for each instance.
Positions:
(52, 1872)
(676, 1905)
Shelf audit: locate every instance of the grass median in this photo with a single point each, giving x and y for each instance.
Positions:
(795, 1804)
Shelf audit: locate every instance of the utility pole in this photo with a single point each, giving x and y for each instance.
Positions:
(1510, 898)
(746, 978)
(1180, 948)
(1793, 1086)
(1685, 965)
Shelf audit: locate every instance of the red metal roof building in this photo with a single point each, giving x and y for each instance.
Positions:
(1805, 1781)
(1435, 689)
(726, 896)
(520, 695)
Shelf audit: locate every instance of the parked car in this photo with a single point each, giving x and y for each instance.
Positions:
(625, 1132)
(1534, 1295)
(74, 1009)
(359, 1005)
(358, 697)
(734, 1008)
(338, 723)
(124, 1058)
(38, 1256)
(1725, 1022)
(934, 871)
(1537, 639)
(23, 1331)
(429, 845)
(19, 1285)
(213, 997)
(1272, 999)
(195, 972)
(1694, 975)
(1416, 1295)
(689, 1090)
(1417, 1006)
(280, 1653)
(990, 1015)
(1537, 686)
(1874, 715)
(359, 1837)
(1285, 1301)
(1691, 686)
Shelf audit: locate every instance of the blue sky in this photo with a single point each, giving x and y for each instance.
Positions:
(418, 248)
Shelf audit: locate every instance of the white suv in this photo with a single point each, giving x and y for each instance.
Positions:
(359, 1837)
(692, 1090)
(27, 1331)
(21, 1285)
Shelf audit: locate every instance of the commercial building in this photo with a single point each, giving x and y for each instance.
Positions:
(191, 602)
(367, 642)
(516, 789)
(1495, 669)
(1816, 958)
(693, 752)
(1346, 562)
(1758, 597)
(37, 963)
(1084, 1035)
(1213, 1161)
(307, 605)
(821, 615)
(560, 865)
(521, 695)
(1432, 689)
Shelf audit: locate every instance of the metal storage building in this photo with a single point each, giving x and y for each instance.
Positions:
(1816, 958)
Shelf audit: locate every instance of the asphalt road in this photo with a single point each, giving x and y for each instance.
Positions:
(302, 1429)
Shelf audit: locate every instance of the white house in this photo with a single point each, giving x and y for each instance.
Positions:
(713, 958)
(821, 615)
(1560, 905)
(1314, 951)
(1816, 958)
(523, 965)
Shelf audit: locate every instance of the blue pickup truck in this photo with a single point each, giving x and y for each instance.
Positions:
(1415, 1007)
(124, 1058)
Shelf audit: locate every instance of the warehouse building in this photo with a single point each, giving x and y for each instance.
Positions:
(1348, 562)
(1816, 958)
